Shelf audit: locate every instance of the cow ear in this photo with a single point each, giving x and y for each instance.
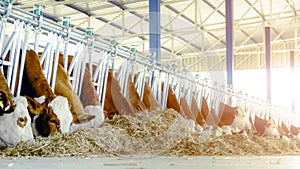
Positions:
(34, 106)
(84, 118)
(5, 103)
(3, 98)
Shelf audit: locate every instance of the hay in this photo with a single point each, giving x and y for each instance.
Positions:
(147, 134)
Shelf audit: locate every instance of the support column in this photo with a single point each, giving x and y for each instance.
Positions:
(292, 63)
(154, 27)
(268, 61)
(229, 41)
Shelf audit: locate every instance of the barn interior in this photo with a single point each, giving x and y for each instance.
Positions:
(208, 53)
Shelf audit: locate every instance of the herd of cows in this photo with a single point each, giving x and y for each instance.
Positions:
(41, 111)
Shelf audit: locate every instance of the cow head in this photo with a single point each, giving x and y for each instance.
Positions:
(6, 105)
(271, 129)
(15, 126)
(53, 115)
(241, 122)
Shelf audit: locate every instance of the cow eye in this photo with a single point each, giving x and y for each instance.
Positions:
(52, 120)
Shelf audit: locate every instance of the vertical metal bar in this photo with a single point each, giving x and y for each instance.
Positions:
(48, 56)
(103, 77)
(9, 44)
(55, 63)
(51, 58)
(154, 27)
(229, 40)
(36, 39)
(16, 60)
(165, 93)
(66, 43)
(83, 66)
(2, 33)
(12, 52)
(104, 85)
(24, 49)
(143, 85)
(292, 62)
(268, 61)
(45, 53)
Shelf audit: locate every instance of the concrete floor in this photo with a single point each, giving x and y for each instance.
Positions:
(157, 162)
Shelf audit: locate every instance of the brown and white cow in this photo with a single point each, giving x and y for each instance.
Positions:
(90, 116)
(64, 88)
(54, 114)
(87, 104)
(14, 117)
(234, 119)
(266, 128)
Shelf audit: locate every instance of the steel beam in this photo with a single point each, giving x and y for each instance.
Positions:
(154, 27)
(268, 61)
(229, 40)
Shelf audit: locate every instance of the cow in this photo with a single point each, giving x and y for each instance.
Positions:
(197, 113)
(185, 108)
(271, 129)
(259, 125)
(15, 126)
(149, 99)
(133, 97)
(284, 131)
(64, 88)
(234, 117)
(87, 104)
(15, 122)
(88, 95)
(295, 130)
(265, 128)
(172, 102)
(209, 115)
(54, 114)
(115, 103)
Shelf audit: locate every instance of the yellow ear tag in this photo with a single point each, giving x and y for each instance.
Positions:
(1, 104)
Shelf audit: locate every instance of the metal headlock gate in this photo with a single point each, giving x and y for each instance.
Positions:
(61, 37)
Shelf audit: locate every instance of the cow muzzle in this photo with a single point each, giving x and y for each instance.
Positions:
(22, 121)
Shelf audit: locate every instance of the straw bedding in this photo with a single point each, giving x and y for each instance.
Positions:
(147, 134)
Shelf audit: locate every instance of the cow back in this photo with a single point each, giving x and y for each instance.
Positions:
(88, 95)
(132, 95)
(115, 102)
(64, 88)
(226, 114)
(197, 113)
(209, 116)
(172, 102)
(259, 125)
(149, 99)
(185, 107)
(34, 83)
